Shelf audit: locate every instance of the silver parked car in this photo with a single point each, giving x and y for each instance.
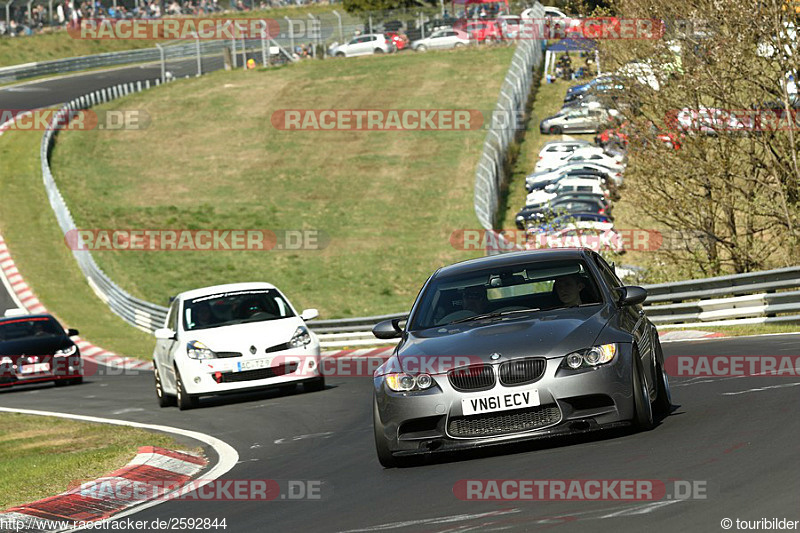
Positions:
(441, 39)
(371, 43)
(513, 347)
(590, 119)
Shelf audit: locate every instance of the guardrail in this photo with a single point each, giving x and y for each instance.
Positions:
(327, 28)
(491, 174)
(139, 313)
(750, 298)
(73, 64)
(725, 300)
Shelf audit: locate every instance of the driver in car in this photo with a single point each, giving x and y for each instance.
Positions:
(568, 289)
(203, 315)
(475, 299)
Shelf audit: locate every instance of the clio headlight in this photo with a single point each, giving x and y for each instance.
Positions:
(198, 350)
(300, 338)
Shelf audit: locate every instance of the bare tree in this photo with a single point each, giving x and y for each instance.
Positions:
(734, 186)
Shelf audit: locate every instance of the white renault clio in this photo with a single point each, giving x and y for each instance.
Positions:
(229, 338)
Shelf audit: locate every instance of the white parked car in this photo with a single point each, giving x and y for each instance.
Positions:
(558, 159)
(616, 163)
(539, 197)
(558, 150)
(441, 39)
(539, 180)
(230, 338)
(371, 43)
(591, 185)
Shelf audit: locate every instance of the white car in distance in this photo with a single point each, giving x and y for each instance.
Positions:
(441, 39)
(231, 338)
(371, 43)
(558, 150)
(593, 154)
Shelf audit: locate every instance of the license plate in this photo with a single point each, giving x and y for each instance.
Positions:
(500, 402)
(35, 368)
(254, 364)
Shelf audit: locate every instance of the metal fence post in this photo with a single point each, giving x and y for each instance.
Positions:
(163, 55)
(341, 31)
(291, 33)
(233, 53)
(199, 60)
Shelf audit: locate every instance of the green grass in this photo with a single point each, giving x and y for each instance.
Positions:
(37, 246)
(386, 201)
(43, 456)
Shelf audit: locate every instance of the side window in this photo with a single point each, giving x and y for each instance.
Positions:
(608, 274)
(172, 316)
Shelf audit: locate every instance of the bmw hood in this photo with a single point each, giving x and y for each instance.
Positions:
(549, 334)
(241, 337)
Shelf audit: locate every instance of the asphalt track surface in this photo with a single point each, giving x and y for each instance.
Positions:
(738, 436)
(53, 91)
(743, 446)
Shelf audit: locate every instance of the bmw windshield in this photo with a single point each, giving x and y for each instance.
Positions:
(500, 292)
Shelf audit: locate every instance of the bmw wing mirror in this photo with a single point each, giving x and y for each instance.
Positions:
(71, 332)
(388, 329)
(632, 295)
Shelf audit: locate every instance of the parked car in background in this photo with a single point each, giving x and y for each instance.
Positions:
(442, 39)
(595, 154)
(578, 185)
(580, 120)
(616, 162)
(539, 180)
(557, 150)
(481, 30)
(371, 43)
(604, 86)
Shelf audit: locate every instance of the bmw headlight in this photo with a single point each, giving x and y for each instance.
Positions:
(198, 350)
(402, 382)
(300, 338)
(594, 356)
(65, 352)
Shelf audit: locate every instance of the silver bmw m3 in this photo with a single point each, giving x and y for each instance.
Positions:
(513, 347)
